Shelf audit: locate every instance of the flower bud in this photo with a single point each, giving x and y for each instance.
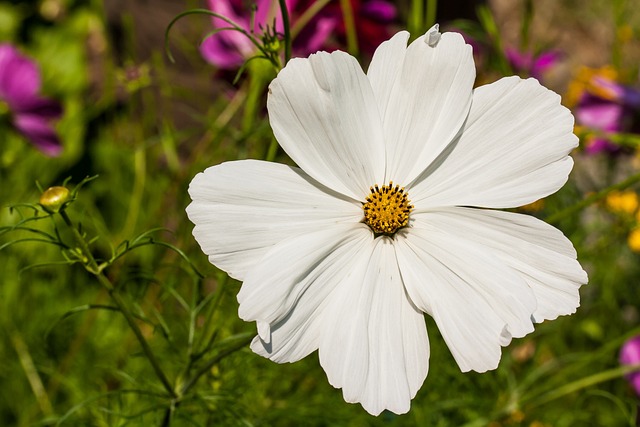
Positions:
(273, 45)
(54, 198)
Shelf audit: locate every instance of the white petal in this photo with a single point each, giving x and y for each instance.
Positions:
(324, 115)
(241, 209)
(513, 150)
(477, 301)
(539, 253)
(297, 309)
(423, 94)
(317, 259)
(385, 67)
(374, 345)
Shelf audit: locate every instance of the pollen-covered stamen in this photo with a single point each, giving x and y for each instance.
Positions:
(387, 209)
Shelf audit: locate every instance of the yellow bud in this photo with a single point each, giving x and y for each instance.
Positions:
(54, 198)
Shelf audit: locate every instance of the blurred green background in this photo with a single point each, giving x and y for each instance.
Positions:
(145, 126)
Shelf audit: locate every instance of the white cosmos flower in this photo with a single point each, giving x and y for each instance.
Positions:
(320, 274)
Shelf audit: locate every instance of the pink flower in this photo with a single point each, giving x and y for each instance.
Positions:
(530, 64)
(630, 355)
(31, 115)
(228, 49)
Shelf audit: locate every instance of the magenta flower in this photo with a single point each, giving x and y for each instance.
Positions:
(228, 49)
(602, 114)
(31, 114)
(530, 64)
(630, 355)
(609, 107)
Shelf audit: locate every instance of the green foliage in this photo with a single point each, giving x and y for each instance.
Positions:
(110, 315)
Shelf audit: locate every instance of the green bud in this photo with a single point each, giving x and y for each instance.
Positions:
(272, 45)
(54, 198)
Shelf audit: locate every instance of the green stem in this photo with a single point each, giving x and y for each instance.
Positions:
(272, 151)
(559, 216)
(260, 76)
(416, 13)
(208, 333)
(430, 16)
(140, 168)
(31, 372)
(586, 382)
(350, 27)
(287, 30)
(307, 16)
(211, 363)
(485, 16)
(92, 266)
(527, 17)
(91, 262)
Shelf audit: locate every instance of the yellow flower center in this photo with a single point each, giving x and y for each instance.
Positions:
(387, 209)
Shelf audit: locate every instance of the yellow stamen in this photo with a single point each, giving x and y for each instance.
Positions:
(387, 209)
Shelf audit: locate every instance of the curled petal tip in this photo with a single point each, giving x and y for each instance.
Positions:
(433, 36)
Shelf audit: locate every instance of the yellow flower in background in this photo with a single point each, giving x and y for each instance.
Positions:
(633, 240)
(624, 202)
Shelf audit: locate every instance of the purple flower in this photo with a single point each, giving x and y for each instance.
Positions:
(530, 64)
(630, 355)
(31, 114)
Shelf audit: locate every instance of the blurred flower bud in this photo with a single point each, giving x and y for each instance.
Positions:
(54, 198)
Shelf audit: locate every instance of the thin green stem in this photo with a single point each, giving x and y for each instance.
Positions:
(559, 216)
(140, 169)
(272, 151)
(527, 17)
(307, 16)
(584, 383)
(84, 247)
(485, 16)
(208, 334)
(287, 30)
(31, 372)
(92, 266)
(350, 27)
(211, 363)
